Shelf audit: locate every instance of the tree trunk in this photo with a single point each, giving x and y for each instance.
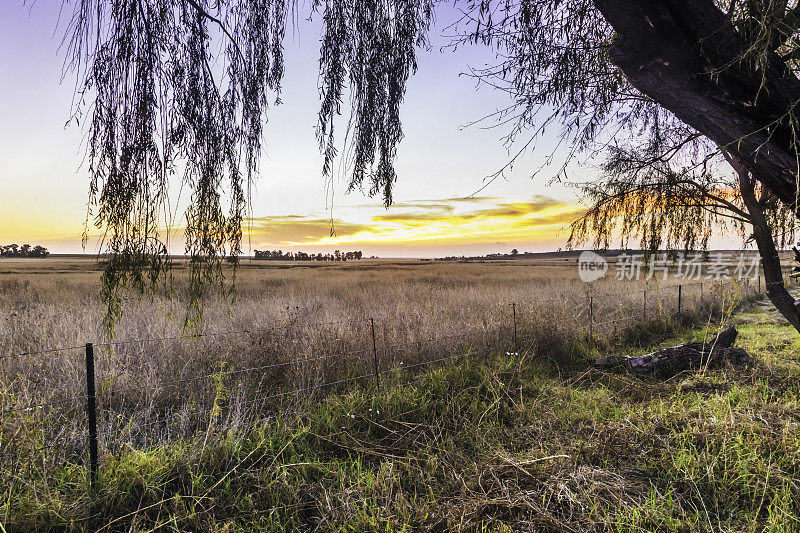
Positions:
(770, 259)
(685, 56)
(669, 362)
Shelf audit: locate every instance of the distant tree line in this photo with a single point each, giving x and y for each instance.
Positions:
(278, 255)
(514, 253)
(15, 250)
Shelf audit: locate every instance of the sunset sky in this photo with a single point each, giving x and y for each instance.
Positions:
(441, 163)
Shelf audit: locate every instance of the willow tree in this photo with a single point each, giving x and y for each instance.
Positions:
(179, 91)
(681, 202)
(181, 88)
(683, 87)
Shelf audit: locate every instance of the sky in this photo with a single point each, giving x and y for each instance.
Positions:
(442, 163)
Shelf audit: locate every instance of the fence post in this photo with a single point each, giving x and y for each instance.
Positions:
(91, 408)
(759, 283)
(514, 314)
(680, 291)
(375, 354)
(591, 318)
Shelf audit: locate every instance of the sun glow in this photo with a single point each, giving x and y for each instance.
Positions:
(436, 225)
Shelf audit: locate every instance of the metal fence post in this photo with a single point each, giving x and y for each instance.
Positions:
(375, 354)
(680, 291)
(591, 318)
(514, 314)
(91, 409)
(759, 283)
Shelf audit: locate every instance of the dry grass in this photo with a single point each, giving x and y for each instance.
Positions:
(299, 328)
(492, 441)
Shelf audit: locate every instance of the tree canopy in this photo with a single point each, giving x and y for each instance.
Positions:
(181, 89)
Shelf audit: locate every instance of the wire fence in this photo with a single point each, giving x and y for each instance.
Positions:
(133, 408)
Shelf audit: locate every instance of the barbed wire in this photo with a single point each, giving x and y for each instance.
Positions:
(262, 399)
(384, 348)
(243, 370)
(416, 365)
(207, 410)
(63, 444)
(41, 352)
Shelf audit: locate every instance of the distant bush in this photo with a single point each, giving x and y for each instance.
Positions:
(15, 250)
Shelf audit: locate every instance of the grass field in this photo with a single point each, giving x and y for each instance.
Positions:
(484, 439)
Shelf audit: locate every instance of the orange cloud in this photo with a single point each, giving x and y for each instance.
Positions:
(296, 229)
(564, 218)
(452, 222)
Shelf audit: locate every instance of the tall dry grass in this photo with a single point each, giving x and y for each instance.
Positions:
(292, 328)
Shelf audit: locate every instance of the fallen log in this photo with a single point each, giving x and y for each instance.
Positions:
(668, 362)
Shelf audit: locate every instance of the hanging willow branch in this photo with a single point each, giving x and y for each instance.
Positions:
(161, 107)
(181, 88)
(645, 197)
(370, 47)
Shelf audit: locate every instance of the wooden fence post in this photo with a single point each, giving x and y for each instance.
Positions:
(91, 409)
(680, 291)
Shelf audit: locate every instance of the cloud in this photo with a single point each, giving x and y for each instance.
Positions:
(294, 229)
(446, 213)
(412, 217)
(472, 199)
(519, 209)
(566, 217)
(454, 221)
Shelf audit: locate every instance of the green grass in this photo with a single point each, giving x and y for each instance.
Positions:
(493, 443)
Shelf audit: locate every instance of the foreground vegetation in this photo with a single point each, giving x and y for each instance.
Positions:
(293, 328)
(497, 441)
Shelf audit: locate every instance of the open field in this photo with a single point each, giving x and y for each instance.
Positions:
(298, 334)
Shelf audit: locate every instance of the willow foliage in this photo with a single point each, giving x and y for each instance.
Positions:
(658, 203)
(572, 64)
(557, 63)
(182, 88)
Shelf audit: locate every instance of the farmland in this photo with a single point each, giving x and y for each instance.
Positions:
(276, 395)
